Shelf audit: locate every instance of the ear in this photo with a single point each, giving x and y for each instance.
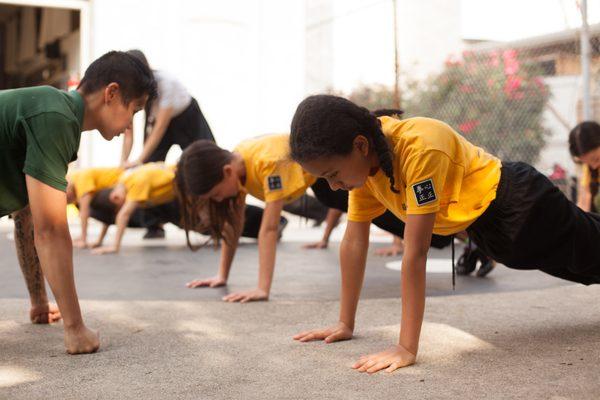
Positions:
(361, 144)
(227, 170)
(111, 91)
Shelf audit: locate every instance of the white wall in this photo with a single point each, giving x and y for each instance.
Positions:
(243, 60)
(565, 92)
(428, 32)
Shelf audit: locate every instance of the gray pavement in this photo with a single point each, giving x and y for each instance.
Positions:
(515, 334)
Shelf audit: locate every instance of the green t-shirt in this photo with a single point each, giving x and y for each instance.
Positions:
(40, 128)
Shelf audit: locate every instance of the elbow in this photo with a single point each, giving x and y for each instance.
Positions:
(48, 233)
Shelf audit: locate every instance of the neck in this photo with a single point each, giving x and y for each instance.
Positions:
(91, 106)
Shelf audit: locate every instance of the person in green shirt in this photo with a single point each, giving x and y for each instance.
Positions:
(40, 129)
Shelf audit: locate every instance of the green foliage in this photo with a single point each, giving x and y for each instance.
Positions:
(494, 99)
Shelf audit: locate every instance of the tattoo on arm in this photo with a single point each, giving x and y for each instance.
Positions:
(27, 255)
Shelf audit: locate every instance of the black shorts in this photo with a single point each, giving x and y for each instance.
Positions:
(183, 130)
(532, 225)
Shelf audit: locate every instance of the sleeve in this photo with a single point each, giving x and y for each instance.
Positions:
(166, 92)
(425, 173)
(281, 180)
(585, 176)
(363, 206)
(50, 148)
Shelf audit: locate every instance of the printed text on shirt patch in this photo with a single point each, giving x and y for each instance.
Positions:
(274, 182)
(424, 192)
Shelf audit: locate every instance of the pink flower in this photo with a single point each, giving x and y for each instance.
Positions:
(511, 64)
(494, 59)
(490, 82)
(512, 86)
(466, 89)
(468, 126)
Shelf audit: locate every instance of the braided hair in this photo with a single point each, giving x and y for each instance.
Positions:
(326, 125)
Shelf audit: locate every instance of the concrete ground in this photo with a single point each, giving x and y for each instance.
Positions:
(513, 335)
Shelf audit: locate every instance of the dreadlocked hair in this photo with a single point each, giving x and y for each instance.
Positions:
(199, 169)
(326, 125)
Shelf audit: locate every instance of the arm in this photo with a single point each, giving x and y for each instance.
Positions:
(353, 257)
(100, 240)
(41, 311)
(84, 214)
(584, 198)
(267, 245)
(127, 145)
(163, 118)
(227, 255)
(331, 221)
(55, 251)
(121, 221)
(417, 237)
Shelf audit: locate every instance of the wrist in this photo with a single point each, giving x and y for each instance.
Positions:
(412, 348)
(73, 326)
(348, 324)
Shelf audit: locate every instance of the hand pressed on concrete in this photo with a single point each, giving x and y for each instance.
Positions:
(246, 296)
(215, 281)
(388, 360)
(335, 333)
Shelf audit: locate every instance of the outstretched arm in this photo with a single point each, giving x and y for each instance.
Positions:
(267, 246)
(55, 251)
(353, 258)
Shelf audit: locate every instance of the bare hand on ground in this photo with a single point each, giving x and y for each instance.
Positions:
(105, 250)
(390, 251)
(317, 245)
(213, 282)
(390, 360)
(81, 341)
(246, 296)
(44, 314)
(338, 332)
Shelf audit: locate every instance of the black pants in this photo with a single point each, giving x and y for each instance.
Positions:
(532, 225)
(103, 210)
(338, 199)
(307, 207)
(183, 130)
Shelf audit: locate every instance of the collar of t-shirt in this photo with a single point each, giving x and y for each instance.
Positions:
(78, 103)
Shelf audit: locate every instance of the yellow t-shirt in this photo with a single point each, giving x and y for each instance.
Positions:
(436, 171)
(586, 176)
(150, 184)
(270, 173)
(91, 180)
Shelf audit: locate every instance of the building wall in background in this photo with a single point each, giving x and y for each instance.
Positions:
(242, 60)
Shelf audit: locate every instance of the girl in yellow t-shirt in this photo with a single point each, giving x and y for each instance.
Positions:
(436, 182)
(82, 185)
(146, 186)
(584, 145)
(259, 167)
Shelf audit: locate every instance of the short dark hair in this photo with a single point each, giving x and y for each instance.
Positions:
(135, 78)
(326, 125)
(584, 138)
